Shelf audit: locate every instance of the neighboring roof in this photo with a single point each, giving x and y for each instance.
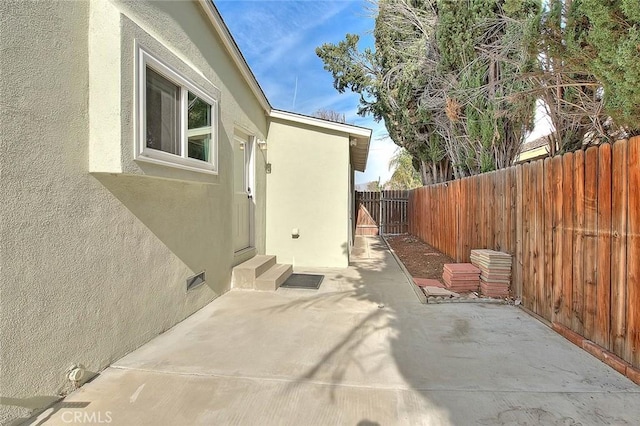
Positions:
(234, 51)
(534, 150)
(536, 143)
(359, 137)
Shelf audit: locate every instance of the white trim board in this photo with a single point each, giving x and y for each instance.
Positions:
(318, 122)
(232, 48)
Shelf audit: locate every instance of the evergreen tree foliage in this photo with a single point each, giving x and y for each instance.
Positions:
(455, 81)
(567, 90)
(435, 80)
(606, 42)
(484, 52)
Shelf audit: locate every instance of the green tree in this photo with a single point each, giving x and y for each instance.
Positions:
(588, 72)
(484, 52)
(444, 95)
(606, 42)
(405, 175)
(353, 70)
(404, 34)
(389, 80)
(569, 91)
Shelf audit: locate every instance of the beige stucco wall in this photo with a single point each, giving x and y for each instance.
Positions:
(94, 264)
(308, 189)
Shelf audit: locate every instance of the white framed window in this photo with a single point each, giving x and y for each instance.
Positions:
(177, 122)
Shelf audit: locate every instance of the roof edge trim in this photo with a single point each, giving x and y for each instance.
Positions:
(318, 122)
(232, 48)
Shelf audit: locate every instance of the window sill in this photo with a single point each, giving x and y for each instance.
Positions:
(154, 168)
(172, 164)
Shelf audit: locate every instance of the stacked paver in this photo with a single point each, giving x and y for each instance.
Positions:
(495, 272)
(461, 277)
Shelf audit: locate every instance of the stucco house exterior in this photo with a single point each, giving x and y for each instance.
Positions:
(310, 206)
(139, 151)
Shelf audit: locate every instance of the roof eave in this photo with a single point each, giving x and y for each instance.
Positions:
(232, 48)
(359, 153)
(319, 122)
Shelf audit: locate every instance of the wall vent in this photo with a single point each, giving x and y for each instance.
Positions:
(195, 281)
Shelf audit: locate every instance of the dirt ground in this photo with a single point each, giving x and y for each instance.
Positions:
(422, 260)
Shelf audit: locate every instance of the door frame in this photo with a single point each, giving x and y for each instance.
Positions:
(251, 181)
(250, 176)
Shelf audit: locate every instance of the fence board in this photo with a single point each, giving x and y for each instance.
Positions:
(557, 202)
(476, 215)
(527, 282)
(510, 205)
(577, 321)
(538, 254)
(603, 229)
(590, 261)
(547, 304)
(633, 255)
(494, 212)
(498, 201)
(489, 212)
(471, 216)
(567, 238)
(619, 248)
(518, 277)
(462, 205)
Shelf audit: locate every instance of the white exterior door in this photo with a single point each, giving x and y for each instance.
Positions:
(243, 193)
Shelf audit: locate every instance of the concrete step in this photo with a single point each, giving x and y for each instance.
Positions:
(274, 277)
(245, 274)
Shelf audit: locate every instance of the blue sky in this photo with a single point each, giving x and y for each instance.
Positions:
(278, 40)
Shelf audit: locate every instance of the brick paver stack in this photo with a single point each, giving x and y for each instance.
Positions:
(461, 277)
(495, 272)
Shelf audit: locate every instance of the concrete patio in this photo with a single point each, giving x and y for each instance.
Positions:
(361, 350)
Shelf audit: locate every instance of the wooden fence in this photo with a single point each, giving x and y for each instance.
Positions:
(368, 213)
(572, 224)
(383, 212)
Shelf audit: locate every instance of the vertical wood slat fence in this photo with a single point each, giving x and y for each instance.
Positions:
(382, 212)
(572, 224)
(368, 213)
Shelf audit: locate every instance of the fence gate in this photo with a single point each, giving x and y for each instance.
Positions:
(382, 213)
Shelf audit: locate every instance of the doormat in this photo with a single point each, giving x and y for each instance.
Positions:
(309, 281)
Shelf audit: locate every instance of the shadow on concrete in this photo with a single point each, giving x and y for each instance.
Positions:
(44, 406)
(363, 350)
(344, 354)
(458, 363)
(392, 309)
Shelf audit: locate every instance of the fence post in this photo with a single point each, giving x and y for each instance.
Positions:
(381, 203)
